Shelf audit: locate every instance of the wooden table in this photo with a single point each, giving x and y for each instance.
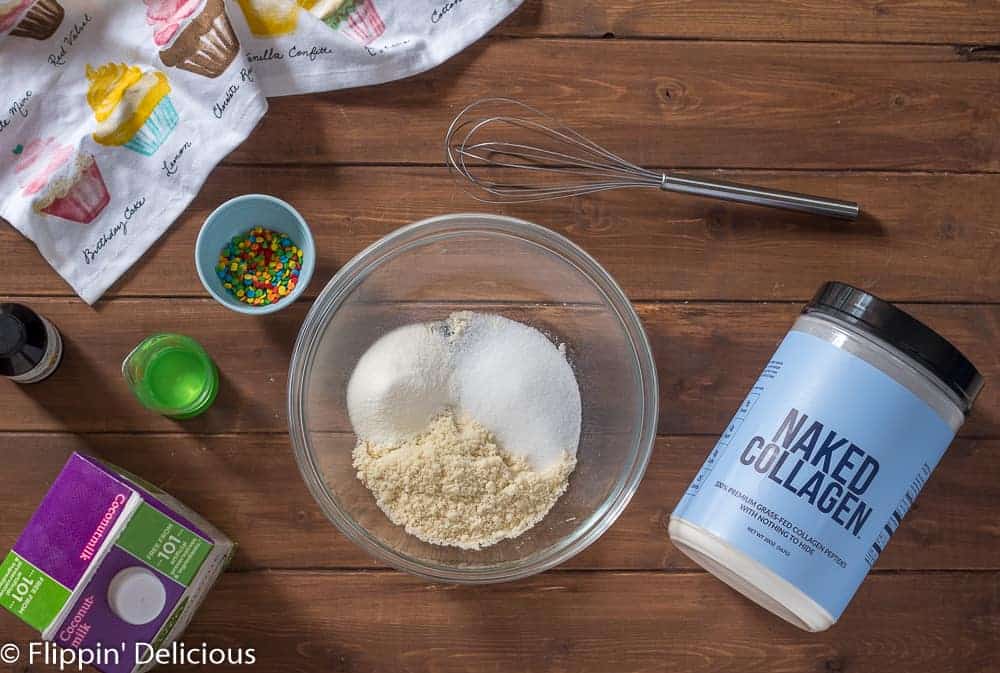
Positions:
(892, 103)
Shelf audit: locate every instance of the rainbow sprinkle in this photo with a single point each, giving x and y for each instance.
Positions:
(260, 267)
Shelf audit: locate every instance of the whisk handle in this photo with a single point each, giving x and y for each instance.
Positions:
(772, 198)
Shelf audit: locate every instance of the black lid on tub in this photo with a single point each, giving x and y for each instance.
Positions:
(904, 332)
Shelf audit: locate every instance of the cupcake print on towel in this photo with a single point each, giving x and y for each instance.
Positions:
(358, 19)
(37, 19)
(271, 18)
(132, 107)
(193, 35)
(61, 181)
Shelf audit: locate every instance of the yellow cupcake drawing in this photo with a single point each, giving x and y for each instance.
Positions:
(132, 107)
(270, 18)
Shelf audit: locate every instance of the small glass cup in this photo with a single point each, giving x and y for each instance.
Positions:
(172, 375)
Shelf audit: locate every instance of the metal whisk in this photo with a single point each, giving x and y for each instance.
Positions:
(488, 144)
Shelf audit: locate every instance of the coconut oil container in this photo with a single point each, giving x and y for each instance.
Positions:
(825, 455)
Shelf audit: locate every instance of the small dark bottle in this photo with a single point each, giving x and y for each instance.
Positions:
(30, 345)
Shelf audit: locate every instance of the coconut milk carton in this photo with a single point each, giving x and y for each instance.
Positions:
(109, 561)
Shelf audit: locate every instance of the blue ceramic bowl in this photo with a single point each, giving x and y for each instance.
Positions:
(234, 218)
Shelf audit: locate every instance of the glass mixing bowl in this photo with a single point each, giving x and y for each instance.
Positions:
(494, 264)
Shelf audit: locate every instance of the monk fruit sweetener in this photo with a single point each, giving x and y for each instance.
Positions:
(108, 562)
(826, 454)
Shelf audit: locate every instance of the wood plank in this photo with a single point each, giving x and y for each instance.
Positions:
(666, 103)
(232, 479)
(585, 622)
(923, 238)
(924, 21)
(707, 356)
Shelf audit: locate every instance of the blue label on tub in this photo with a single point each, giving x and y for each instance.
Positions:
(817, 468)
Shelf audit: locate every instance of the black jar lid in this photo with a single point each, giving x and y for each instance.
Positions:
(12, 335)
(904, 332)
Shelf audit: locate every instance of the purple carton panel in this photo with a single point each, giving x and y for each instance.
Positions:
(148, 492)
(66, 531)
(92, 622)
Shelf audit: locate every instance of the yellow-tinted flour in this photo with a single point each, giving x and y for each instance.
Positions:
(453, 485)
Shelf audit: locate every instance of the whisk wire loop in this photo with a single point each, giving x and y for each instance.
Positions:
(499, 168)
(573, 156)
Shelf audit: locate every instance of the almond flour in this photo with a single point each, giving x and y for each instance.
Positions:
(453, 485)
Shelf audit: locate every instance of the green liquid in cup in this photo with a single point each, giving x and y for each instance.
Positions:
(176, 378)
(172, 375)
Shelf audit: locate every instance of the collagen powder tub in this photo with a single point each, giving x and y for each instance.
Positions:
(825, 455)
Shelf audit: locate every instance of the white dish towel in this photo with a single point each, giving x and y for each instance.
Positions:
(113, 112)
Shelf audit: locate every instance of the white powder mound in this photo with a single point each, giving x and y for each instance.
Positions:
(400, 384)
(500, 373)
(514, 381)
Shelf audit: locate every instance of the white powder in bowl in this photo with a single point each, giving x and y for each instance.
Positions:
(467, 428)
(399, 384)
(514, 381)
(504, 374)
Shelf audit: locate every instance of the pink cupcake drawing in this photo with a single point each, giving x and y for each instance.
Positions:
(37, 19)
(194, 35)
(358, 19)
(61, 181)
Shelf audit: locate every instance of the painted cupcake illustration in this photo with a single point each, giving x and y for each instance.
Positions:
(193, 35)
(271, 18)
(358, 19)
(132, 107)
(37, 19)
(62, 181)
